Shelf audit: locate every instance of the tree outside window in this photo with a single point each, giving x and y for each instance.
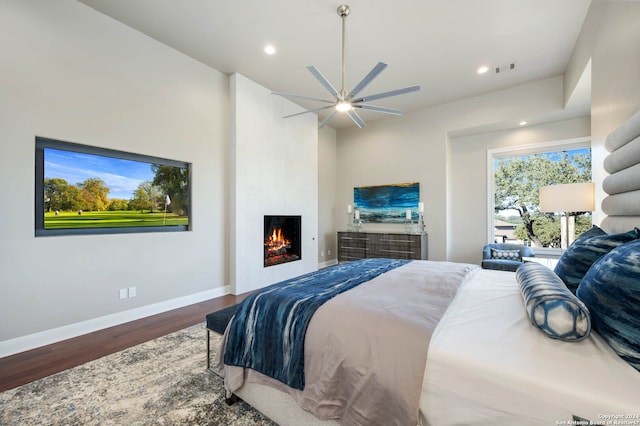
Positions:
(517, 179)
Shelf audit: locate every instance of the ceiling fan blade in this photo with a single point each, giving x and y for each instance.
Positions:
(368, 79)
(356, 118)
(304, 112)
(309, 98)
(323, 80)
(386, 94)
(326, 120)
(380, 109)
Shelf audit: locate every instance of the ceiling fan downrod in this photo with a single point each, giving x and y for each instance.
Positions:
(343, 12)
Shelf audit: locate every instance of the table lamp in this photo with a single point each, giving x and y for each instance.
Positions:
(567, 198)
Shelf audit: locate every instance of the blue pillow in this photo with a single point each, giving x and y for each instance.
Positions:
(585, 250)
(611, 291)
(505, 254)
(551, 307)
(594, 230)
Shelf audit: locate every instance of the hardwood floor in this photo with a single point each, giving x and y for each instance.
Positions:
(25, 367)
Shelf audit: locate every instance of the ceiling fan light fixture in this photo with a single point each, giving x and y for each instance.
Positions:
(343, 106)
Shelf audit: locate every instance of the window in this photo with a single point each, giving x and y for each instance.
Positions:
(517, 175)
(81, 189)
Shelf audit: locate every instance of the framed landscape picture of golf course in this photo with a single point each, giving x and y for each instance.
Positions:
(81, 189)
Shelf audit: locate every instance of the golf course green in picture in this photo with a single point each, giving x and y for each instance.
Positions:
(111, 219)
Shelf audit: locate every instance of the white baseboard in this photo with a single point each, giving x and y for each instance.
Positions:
(54, 335)
(327, 263)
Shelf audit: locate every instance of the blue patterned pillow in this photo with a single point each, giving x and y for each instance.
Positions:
(611, 290)
(594, 230)
(551, 307)
(505, 254)
(578, 258)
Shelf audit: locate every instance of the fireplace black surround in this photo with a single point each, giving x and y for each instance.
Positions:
(282, 239)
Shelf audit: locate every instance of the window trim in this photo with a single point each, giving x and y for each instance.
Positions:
(493, 153)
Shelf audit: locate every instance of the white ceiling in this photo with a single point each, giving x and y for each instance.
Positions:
(437, 44)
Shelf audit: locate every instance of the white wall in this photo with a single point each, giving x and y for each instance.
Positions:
(610, 39)
(274, 171)
(70, 73)
(414, 148)
(326, 194)
(469, 198)
(417, 147)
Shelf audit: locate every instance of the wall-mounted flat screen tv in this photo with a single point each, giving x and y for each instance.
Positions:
(81, 189)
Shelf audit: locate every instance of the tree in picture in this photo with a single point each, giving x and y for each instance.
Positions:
(60, 196)
(174, 182)
(146, 197)
(95, 194)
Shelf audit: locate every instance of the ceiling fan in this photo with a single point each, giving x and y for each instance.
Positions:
(347, 101)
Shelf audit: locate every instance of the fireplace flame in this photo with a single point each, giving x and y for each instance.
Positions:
(277, 243)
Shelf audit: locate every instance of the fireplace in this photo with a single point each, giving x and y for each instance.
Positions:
(281, 239)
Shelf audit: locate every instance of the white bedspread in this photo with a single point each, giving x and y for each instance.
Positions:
(488, 366)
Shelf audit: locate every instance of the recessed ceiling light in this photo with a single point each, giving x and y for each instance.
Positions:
(269, 49)
(483, 69)
(523, 123)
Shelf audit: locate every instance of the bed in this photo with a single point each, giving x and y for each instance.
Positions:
(486, 364)
(441, 343)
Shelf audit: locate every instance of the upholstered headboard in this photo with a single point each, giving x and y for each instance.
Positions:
(622, 204)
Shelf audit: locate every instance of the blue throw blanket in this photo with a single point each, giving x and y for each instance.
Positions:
(268, 330)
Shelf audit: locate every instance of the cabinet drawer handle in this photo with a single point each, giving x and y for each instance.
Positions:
(397, 251)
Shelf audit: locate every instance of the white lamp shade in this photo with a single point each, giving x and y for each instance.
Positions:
(570, 197)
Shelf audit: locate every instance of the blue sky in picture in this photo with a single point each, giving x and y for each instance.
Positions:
(387, 203)
(121, 176)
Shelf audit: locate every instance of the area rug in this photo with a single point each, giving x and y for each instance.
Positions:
(161, 382)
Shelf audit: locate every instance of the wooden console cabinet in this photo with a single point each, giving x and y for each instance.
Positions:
(360, 245)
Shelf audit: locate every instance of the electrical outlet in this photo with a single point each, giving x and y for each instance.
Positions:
(132, 292)
(123, 293)
(328, 252)
(322, 253)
